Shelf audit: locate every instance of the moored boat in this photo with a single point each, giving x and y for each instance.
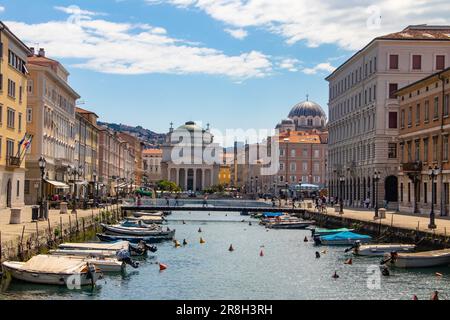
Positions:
(136, 249)
(342, 238)
(325, 232)
(424, 259)
(378, 250)
(290, 224)
(54, 270)
(133, 231)
(148, 214)
(147, 220)
(103, 263)
(133, 239)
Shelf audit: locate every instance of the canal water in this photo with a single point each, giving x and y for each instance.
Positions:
(287, 270)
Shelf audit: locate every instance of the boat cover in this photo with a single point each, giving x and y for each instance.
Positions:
(345, 235)
(96, 245)
(273, 214)
(53, 264)
(323, 230)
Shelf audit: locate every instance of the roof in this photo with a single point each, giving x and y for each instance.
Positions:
(307, 109)
(84, 111)
(152, 152)
(3, 27)
(411, 33)
(299, 137)
(44, 61)
(422, 81)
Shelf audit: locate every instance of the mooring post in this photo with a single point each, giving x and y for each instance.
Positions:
(21, 241)
(49, 230)
(61, 235)
(76, 218)
(37, 235)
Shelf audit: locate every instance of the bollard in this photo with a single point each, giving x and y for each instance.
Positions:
(61, 235)
(37, 235)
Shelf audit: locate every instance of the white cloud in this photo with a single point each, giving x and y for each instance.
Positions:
(237, 33)
(292, 65)
(124, 48)
(349, 24)
(75, 10)
(321, 67)
(2, 9)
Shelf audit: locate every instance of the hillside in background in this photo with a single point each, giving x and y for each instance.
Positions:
(148, 136)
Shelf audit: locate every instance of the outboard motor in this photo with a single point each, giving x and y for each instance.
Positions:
(124, 255)
(355, 246)
(151, 248)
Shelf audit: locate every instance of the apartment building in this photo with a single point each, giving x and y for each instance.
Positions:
(364, 111)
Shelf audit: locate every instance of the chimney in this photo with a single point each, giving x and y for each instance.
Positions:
(32, 51)
(41, 52)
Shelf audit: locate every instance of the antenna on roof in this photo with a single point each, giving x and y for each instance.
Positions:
(80, 102)
(307, 97)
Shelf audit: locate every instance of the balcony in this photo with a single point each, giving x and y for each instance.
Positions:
(412, 166)
(13, 162)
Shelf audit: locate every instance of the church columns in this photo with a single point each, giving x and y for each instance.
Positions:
(195, 180)
(203, 179)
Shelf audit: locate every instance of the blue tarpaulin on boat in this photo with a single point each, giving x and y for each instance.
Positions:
(346, 235)
(272, 214)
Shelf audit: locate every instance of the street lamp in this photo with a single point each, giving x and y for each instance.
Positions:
(376, 178)
(95, 193)
(433, 173)
(341, 182)
(75, 172)
(42, 164)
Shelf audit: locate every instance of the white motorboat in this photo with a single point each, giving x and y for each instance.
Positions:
(290, 224)
(133, 231)
(54, 270)
(147, 220)
(424, 259)
(379, 250)
(104, 264)
(110, 246)
(148, 214)
(84, 253)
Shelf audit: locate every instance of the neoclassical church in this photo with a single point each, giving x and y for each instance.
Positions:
(190, 158)
(304, 116)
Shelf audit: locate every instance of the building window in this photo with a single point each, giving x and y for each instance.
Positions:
(409, 151)
(29, 115)
(9, 148)
(436, 108)
(27, 187)
(435, 148)
(30, 86)
(18, 188)
(293, 167)
(418, 114)
(417, 150)
(392, 150)
(10, 118)
(401, 192)
(425, 192)
(281, 166)
(440, 62)
(446, 105)
(393, 61)
(409, 192)
(305, 166)
(393, 87)
(417, 62)
(392, 120)
(293, 153)
(409, 116)
(11, 88)
(20, 121)
(316, 154)
(445, 147)
(427, 111)
(425, 150)
(402, 119)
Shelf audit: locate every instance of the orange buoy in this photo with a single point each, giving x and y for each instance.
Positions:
(162, 267)
(261, 253)
(202, 240)
(177, 244)
(324, 252)
(231, 248)
(349, 261)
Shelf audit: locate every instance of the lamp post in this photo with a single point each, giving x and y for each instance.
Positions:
(376, 179)
(75, 172)
(341, 182)
(42, 164)
(94, 192)
(433, 173)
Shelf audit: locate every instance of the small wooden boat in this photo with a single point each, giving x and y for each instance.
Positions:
(133, 239)
(141, 232)
(147, 220)
(342, 238)
(54, 270)
(116, 246)
(379, 250)
(424, 259)
(325, 232)
(139, 223)
(104, 264)
(148, 214)
(290, 224)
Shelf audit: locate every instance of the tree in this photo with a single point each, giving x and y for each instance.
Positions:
(165, 185)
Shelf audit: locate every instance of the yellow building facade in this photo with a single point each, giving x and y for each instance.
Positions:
(13, 104)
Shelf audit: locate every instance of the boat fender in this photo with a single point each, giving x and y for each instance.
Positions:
(162, 267)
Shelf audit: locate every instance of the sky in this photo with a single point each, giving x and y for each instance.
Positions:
(236, 64)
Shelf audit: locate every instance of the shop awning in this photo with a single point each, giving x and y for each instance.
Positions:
(57, 184)
(82, 183)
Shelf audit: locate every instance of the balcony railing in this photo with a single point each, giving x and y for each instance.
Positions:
(13, 161)
(412, 166)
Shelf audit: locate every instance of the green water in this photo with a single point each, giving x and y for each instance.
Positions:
(288, 269)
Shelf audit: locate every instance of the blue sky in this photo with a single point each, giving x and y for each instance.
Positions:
(233, 63)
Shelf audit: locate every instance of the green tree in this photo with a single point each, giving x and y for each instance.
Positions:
(165, 185)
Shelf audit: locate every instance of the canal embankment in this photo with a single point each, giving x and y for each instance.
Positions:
(23, 240)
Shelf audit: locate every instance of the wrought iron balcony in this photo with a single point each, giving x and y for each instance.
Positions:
(412, 166)
(13, 162)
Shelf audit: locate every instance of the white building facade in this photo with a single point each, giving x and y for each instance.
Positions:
(363, 111)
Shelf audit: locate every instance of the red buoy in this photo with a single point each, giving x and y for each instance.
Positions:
(162, 267)
(261, 253)
(349, 261)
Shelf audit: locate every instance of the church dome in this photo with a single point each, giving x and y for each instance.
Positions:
(307, 109)
(190, 126)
